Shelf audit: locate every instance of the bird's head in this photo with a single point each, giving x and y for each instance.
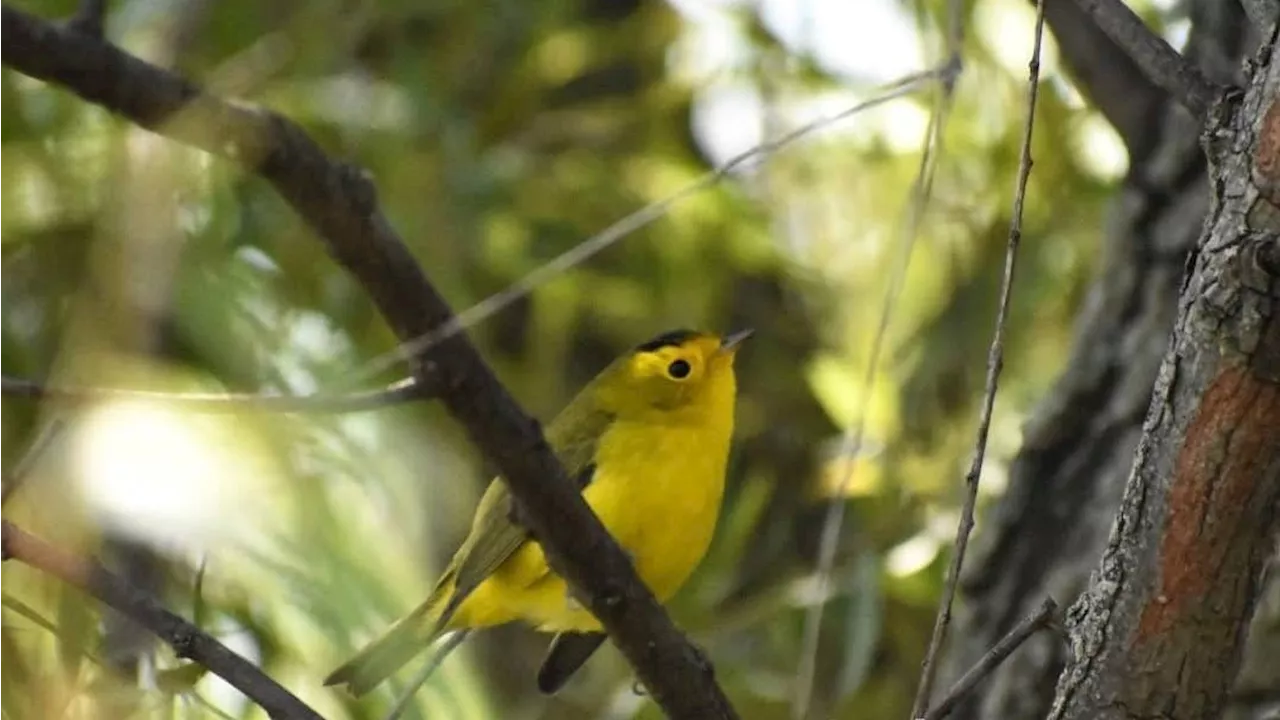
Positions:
(681, 371)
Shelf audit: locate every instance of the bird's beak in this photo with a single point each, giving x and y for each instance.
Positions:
(730, 343)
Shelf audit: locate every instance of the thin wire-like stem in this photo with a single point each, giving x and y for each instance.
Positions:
(995, 362)
(401, 391)
(1030, 625)
(806, 671)
(406, 390)
(26, 465)
(922, 190)
(437, 657)
(637, 220)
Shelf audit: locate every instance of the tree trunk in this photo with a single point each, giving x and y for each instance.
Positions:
(1047, 533)
(1160, 631)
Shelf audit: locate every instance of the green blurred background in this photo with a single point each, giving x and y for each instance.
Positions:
(499, 135)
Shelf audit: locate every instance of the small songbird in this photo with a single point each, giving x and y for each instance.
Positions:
(647, 441)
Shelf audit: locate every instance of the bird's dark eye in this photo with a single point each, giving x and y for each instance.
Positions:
(679, 369)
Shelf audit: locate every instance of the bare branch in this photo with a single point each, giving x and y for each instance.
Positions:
(187, 640)
(1164, 65)
(1029, 626)
(398, 392)
(995, 362)
(1107, 76)
(340, 203)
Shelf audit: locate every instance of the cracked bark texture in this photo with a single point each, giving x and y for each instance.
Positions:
(1160, 631)
(1045, 536)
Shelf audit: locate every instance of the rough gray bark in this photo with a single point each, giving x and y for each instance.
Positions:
(1047, 533)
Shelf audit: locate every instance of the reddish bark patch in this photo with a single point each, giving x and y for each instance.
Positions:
(1266, 157)
(1219, 497)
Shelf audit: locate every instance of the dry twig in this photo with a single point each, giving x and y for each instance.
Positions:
(995, 362)
(1012, 640)
(1160, 62)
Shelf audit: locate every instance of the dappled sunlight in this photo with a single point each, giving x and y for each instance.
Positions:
(166, 477)
(912, 556)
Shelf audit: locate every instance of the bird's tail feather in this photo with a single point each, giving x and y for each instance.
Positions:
(388, 653)
(380, 658)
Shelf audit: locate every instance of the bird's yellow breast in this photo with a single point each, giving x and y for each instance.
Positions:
(657, 491)
(659, 494)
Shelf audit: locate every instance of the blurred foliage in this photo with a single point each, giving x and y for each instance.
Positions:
(499, 135)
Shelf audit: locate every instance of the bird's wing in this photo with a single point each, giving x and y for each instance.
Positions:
(498, 531)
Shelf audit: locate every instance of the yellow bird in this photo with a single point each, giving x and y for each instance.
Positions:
(648, 441)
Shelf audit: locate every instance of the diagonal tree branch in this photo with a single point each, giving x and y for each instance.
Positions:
(1161, 63)
(187, 640)
(339, 203)
(1107, 76)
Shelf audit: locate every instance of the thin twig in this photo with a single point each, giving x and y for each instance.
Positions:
(851, 443)
(639, 219)
(995, 362)
(420, 678)
(17, 477)
(1157, 59)
(1012, 640)
(922, 190)
(399, 392)
(404, 390)
(187, 640)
